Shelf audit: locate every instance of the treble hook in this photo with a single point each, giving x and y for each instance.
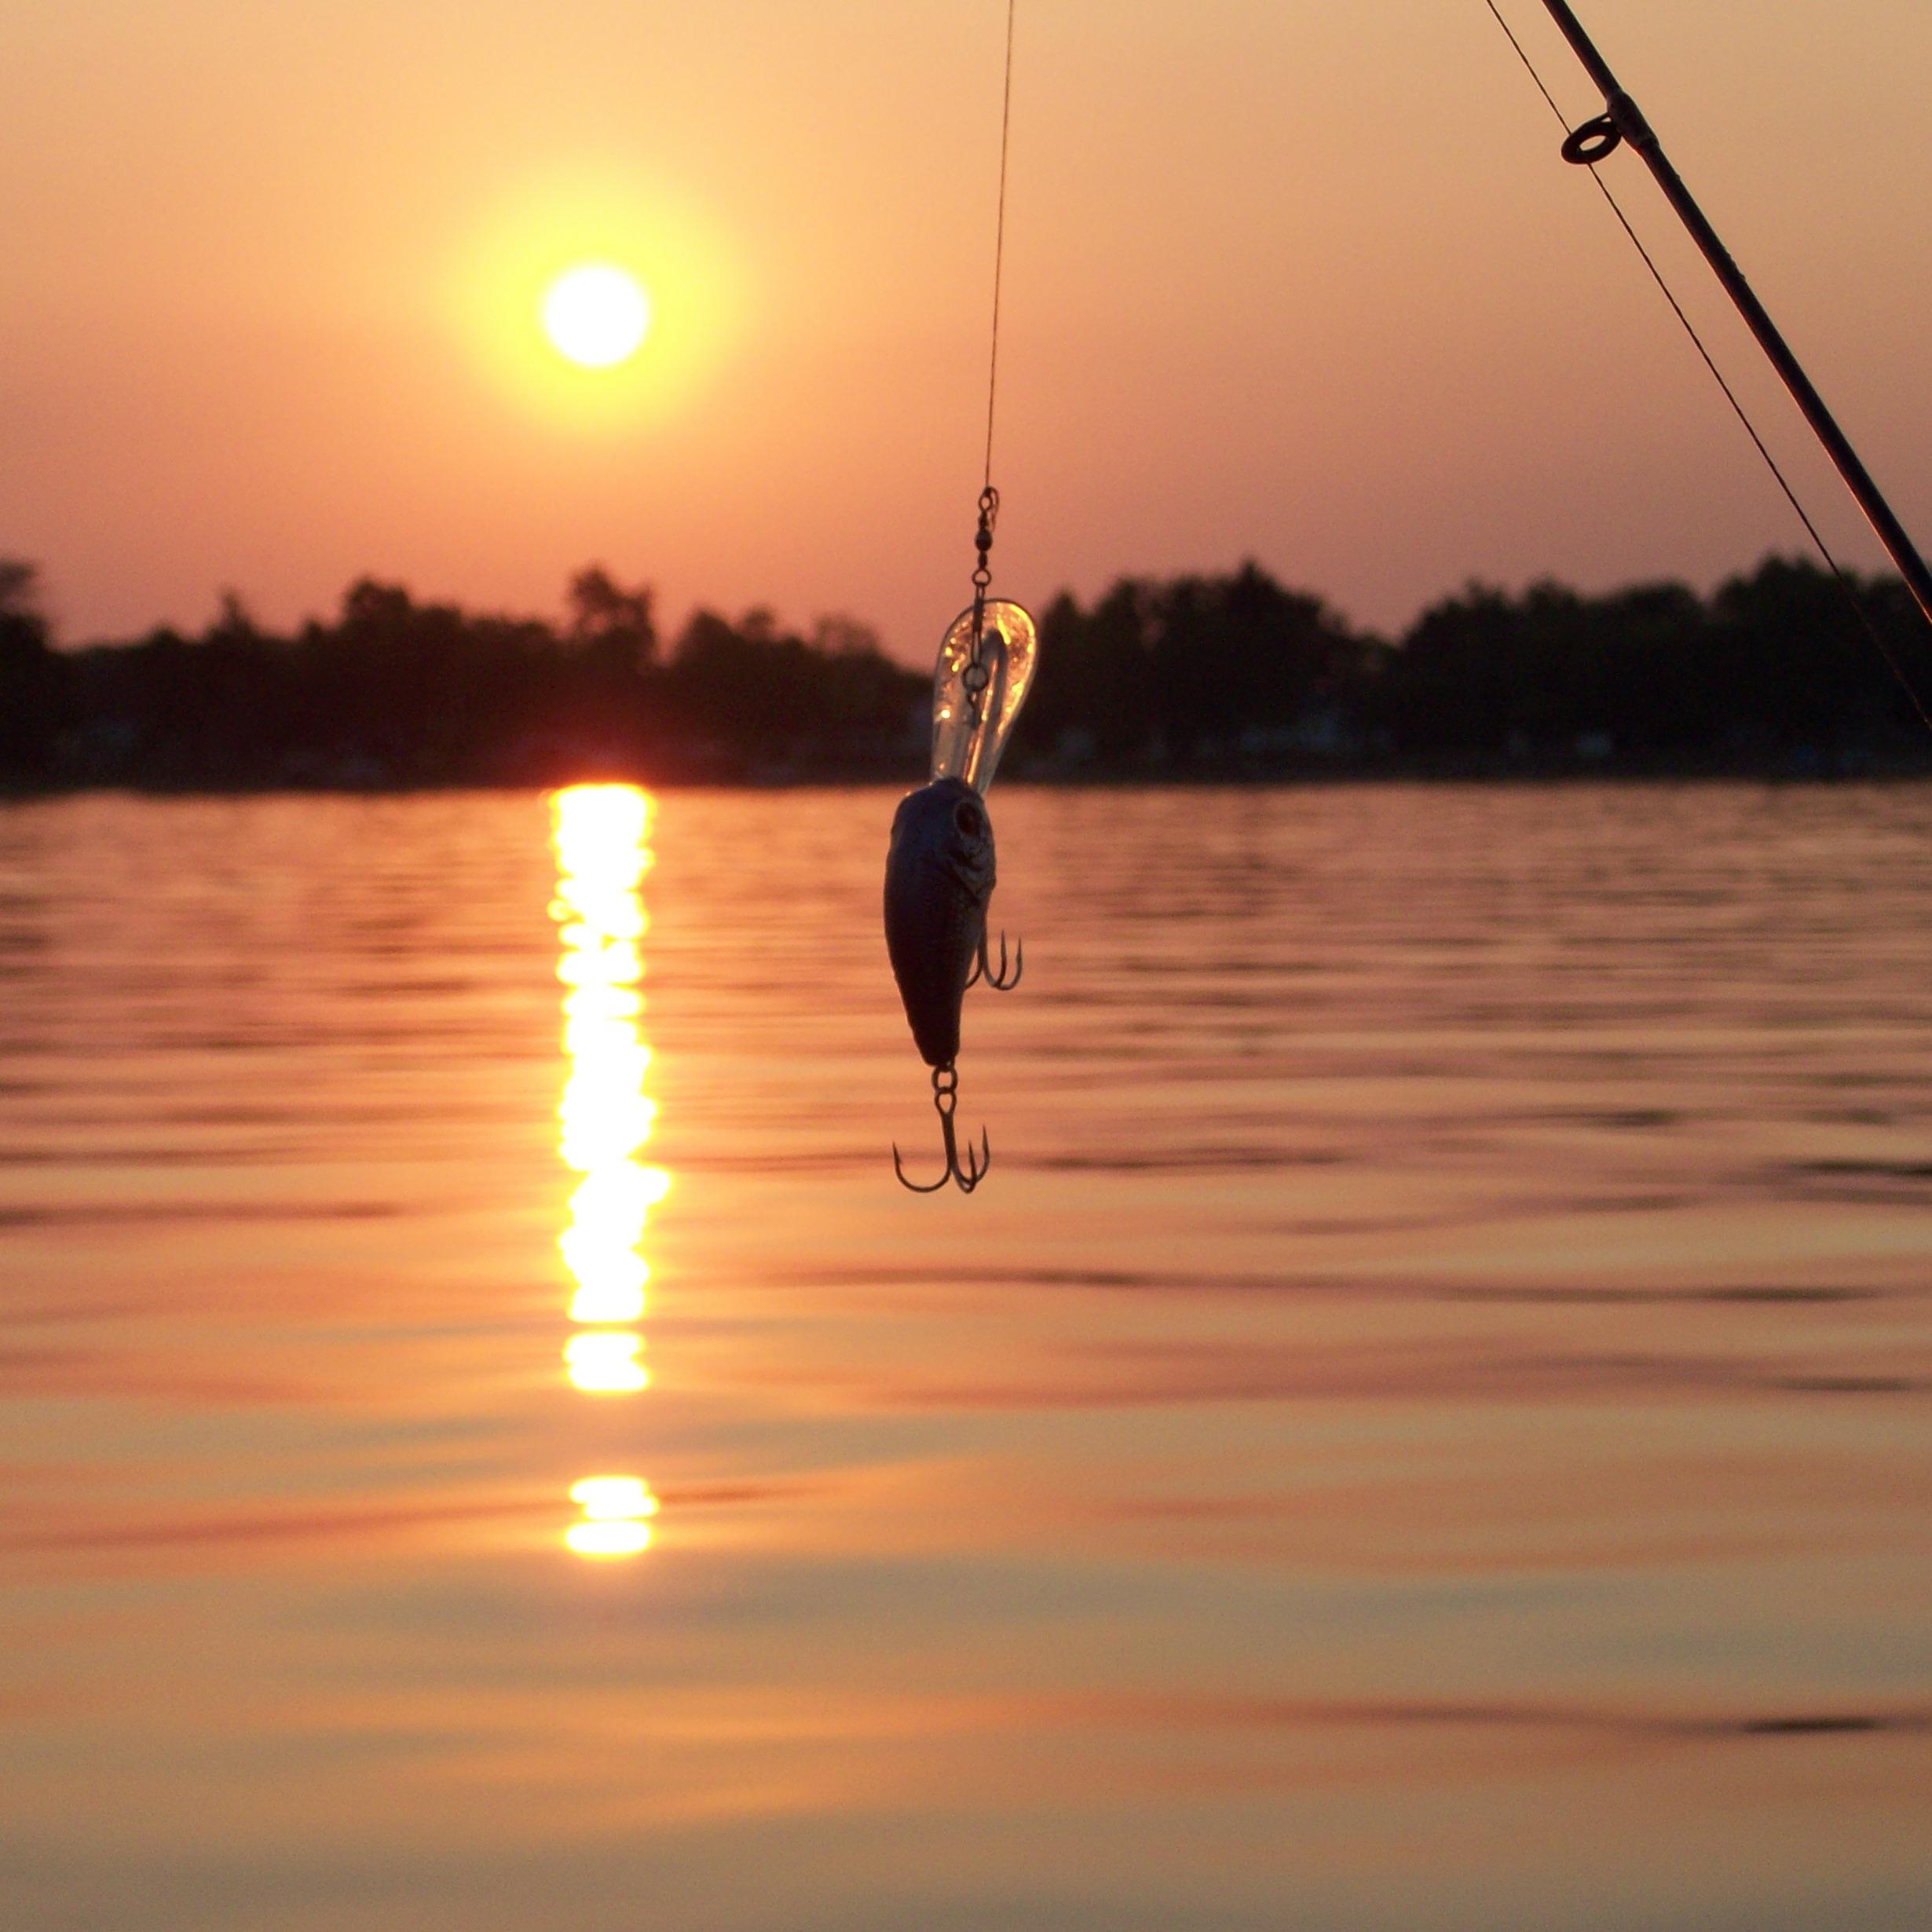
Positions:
(967, 1177)
(999, 982)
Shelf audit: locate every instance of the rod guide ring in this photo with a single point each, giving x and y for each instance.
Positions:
(1595, 141)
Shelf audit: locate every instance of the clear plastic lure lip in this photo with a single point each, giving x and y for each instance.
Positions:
(966, 741)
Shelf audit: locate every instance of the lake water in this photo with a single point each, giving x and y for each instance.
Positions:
(1426, 1425)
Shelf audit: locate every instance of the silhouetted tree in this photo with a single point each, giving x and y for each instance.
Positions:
(606, 617)
(753, 698)
(28, 675)
(1093, 690)
(1239, 662)
(1806, 675)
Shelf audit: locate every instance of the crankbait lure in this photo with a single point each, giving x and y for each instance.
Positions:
(940, 867)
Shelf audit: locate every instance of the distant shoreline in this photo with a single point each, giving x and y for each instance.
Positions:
(1531, 773)
(1781, 675)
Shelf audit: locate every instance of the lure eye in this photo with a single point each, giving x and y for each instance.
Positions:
(968, 817)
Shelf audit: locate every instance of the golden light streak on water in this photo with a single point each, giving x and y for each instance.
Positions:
(613, 1498)
(607, 1540)
(602, 837)
(617, 1513)
(603, 1362)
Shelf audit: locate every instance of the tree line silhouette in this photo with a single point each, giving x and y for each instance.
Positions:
(1229, 675)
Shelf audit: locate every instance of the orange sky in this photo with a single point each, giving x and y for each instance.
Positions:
(1300, 281)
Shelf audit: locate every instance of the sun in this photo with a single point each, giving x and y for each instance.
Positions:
(595, 315)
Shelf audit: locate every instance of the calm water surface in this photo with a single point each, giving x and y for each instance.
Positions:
(1426, 1427)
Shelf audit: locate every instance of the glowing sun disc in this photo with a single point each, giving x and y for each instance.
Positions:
(595, 315)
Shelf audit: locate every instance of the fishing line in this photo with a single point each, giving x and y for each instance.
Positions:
(1730, 395)
(999, 239)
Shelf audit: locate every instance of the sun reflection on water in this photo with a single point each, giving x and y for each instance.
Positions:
(601, 837)
(617, 1513)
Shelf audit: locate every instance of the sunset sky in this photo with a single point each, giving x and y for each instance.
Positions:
(1303, 282)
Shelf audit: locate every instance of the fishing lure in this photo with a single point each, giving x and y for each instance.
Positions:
(940, 867)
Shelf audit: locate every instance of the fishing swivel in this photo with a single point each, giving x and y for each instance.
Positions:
(966, 1175)
(983, 542)
(976, 674)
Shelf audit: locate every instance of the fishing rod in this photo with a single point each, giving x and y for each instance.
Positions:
(1621, 121)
